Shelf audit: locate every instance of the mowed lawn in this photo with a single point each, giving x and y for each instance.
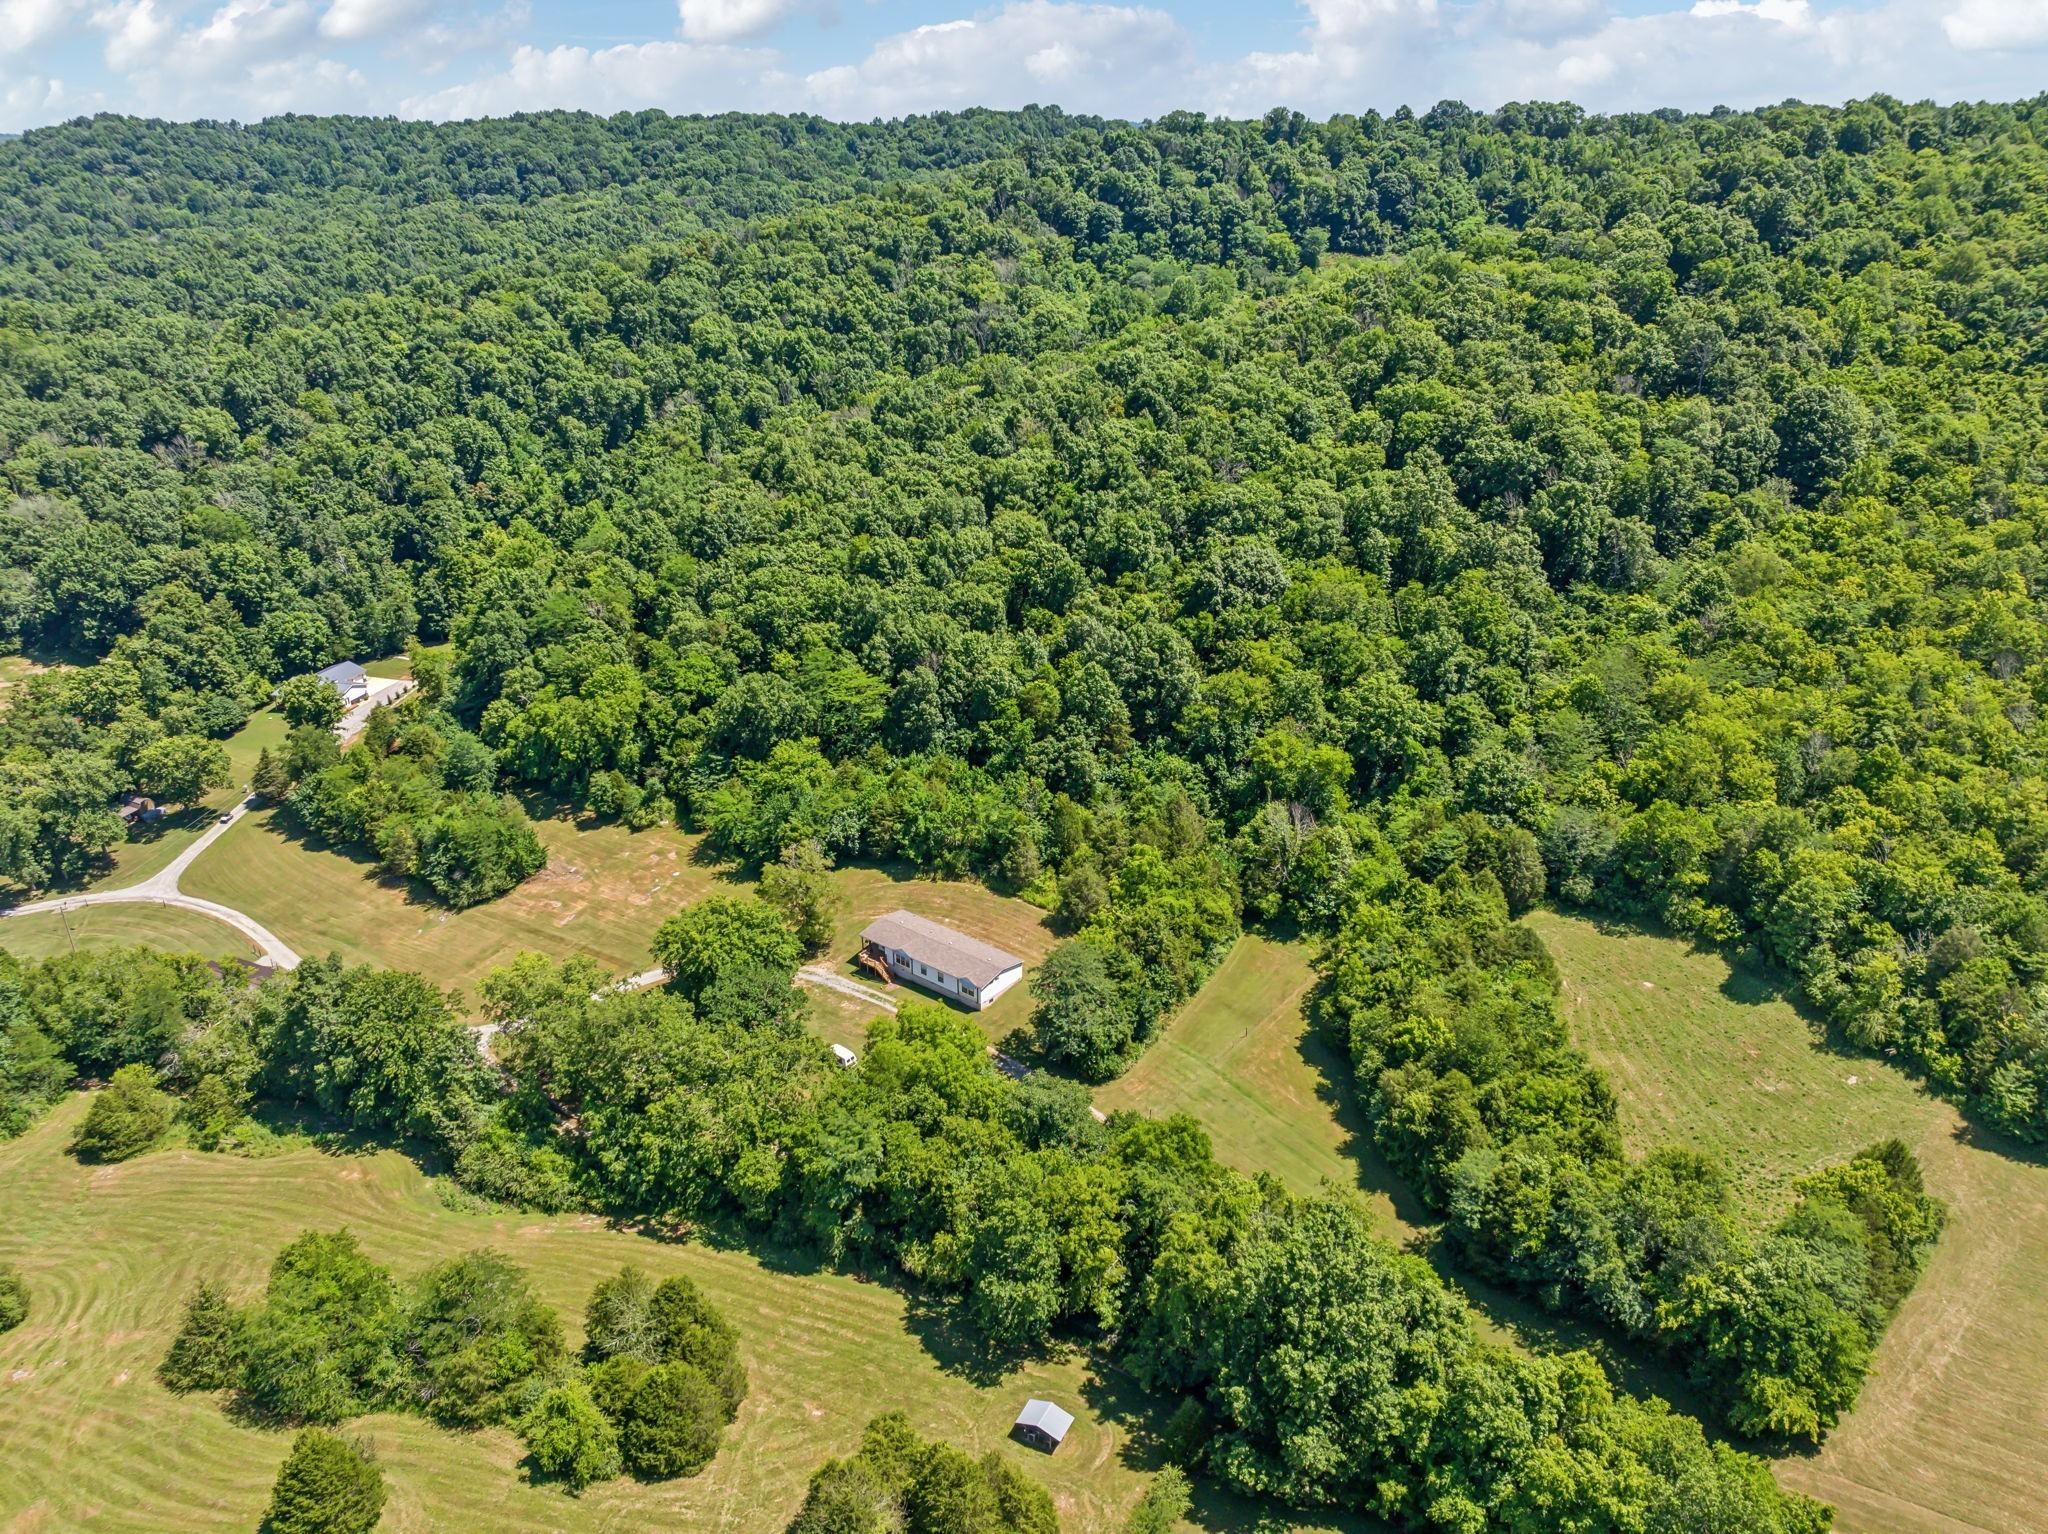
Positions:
(603, 892)
(1242, 1058)
(868, 890)
(106, 926)
(1951, 1432)
(93, 1442)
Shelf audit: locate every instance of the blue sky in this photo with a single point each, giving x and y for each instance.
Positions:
(866, 58)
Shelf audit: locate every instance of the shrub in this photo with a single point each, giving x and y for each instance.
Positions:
(723, 933)
(688, 1329)
(569, 1438)
(1165, 1502)
(126, 1119)
(207, 1353)
(616, 1322)
(13, 1297)
(321, 1345)
(475, 1333)
(328, 1485)
(898, 1481)
(669, 1416)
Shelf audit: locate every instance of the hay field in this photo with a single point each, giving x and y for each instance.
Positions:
(1951, 1432)
(95, 1444)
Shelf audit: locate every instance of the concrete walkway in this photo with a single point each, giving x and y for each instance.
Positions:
(161, 888)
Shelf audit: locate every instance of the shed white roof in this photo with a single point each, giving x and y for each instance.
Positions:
(949, 952)
(1046, 1417)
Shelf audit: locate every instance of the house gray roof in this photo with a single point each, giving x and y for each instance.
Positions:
(344, 674)
(950, 952)
(1047, 1418)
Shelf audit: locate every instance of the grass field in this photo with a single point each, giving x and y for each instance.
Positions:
(1241, 1058)
(108, 926)
(1951, 1432)
(604, 891)
(1274, 1097)
(94, 1443)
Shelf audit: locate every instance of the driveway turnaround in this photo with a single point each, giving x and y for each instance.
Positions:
(161, 888)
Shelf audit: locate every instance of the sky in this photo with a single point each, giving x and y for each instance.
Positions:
(856, 59)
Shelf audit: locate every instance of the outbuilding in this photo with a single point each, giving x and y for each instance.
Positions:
(930, 954)
(346, 678)
(1042, 1425)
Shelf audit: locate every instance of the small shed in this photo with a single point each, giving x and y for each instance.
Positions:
(935, 956)
(1042, 1425)
(346, 678)
(846, 1057)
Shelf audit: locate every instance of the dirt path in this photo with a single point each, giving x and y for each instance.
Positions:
(825, 979)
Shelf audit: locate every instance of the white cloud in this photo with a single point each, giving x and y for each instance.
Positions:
(726, 21)
(1796, 14)
(359, 20)
(1988, 24)
(242, 35)
(24, 23)
(31, 100)
(1540, 20)
(136, 32)
(1115, 59)
(681, 77)
(442, 43)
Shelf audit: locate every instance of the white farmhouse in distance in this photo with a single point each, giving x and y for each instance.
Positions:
(934, 956)
(348, 679)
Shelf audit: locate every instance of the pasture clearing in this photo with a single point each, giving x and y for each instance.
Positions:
(96, 1444)
(1242, 1058)
(868, 890)
(603, 892)
(1951, 1432)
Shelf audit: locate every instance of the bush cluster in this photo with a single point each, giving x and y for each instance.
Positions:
(469, 1345)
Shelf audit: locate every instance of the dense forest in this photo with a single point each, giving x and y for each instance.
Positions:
(1371, 527)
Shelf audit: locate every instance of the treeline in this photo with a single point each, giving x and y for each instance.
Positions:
(711, 1104)
(469, 1344)
(1477, 1096)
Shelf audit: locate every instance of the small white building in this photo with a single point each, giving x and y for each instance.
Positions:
(1043, 1425)
(934, 956)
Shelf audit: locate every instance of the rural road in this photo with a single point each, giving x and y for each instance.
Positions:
(161, 888)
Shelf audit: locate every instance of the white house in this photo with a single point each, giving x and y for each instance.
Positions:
(348, 679)
(933, 955)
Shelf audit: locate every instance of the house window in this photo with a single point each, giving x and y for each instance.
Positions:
(966, 989)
